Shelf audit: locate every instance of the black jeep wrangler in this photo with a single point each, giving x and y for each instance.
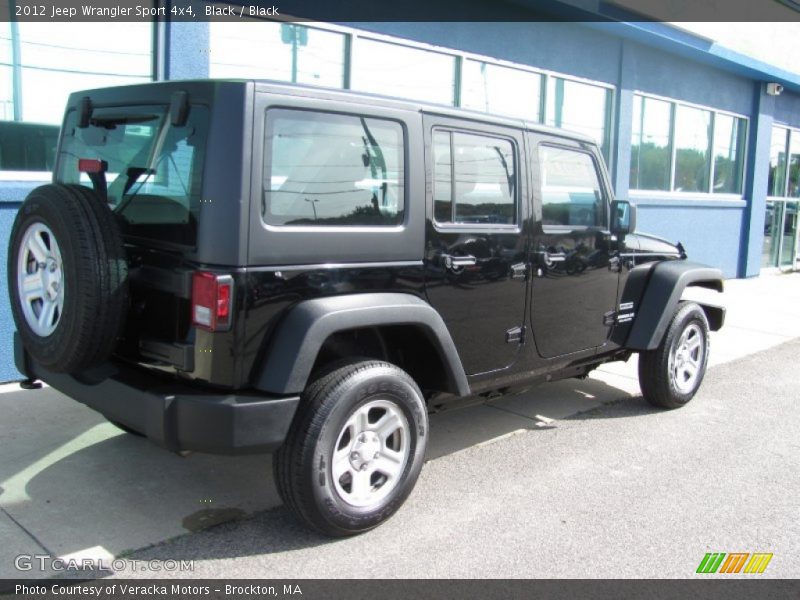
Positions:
(238, 266)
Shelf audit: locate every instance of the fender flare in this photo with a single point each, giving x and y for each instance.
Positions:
(298, 338)
(665, 285)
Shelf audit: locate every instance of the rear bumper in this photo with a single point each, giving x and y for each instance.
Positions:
(176, 416)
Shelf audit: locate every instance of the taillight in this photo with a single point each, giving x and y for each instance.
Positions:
(91, 165)
(212, 297)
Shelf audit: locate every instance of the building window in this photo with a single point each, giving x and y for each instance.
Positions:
(692, 144)
(651, 147)
(571, 192)
(332, 169)
(580, 107)
(403, 71)
(280, 51)
(730, 136)
(794, 165)
(501, 90)
(777, 162)
(6, 74)
(41, 64)
(474, 179)
(681, 148)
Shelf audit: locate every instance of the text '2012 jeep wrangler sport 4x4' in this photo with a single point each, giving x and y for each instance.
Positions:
(237, 266)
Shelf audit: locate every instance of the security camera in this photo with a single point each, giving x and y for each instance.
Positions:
(774, 89)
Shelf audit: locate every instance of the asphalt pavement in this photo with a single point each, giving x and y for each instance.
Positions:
(573, 479)
(623, 490)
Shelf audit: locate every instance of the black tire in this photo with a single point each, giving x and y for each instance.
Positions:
(303, 466)
(661, 385)
(94, 271)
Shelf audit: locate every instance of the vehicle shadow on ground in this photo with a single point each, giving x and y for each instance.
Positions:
(123, 493)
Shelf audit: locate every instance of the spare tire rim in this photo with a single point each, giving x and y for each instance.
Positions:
(40, 279)
(371, 453)
(687, 357)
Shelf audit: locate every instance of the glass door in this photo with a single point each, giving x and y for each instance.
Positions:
(780, 234)
(789, 241)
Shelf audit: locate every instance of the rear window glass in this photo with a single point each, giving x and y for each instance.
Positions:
(332, 170)
(154, 173)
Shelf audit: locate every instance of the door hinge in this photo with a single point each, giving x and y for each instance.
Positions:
(609, 318)
(515, 334)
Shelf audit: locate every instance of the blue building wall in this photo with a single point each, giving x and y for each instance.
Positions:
(11, 196)
(787, 108)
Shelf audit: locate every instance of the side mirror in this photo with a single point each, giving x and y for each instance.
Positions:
(623, 217)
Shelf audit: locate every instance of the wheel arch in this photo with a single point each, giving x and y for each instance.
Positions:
(398, 320)
(663, 291)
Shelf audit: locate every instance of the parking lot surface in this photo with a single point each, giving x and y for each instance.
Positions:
(575, 478)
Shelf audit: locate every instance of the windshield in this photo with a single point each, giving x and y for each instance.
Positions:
(154, 173)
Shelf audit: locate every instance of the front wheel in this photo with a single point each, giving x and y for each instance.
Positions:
(355, 450)
(671, 374)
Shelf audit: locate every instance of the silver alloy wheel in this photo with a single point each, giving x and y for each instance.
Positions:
(686, 358)
(40, 279)
(371, 453)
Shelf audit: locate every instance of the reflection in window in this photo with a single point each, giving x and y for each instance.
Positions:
(794, 165)
(153, 166)
(280, 51)
(777, 162)
(394, 70)
(665, 131)
(772, 225)
(650, 147)
(6, 74)
(571, 190)
(579, 107)
(329, 169)
(729, 147)
(50, 55)
(692, 140)
(27, 146)
(442, 178)
(501, 90)
(483, 169)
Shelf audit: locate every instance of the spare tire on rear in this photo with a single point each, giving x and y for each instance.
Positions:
(67, 277)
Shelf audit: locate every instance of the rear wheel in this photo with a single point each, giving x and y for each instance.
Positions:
(671, 374)
(67, 277)
(355, 449)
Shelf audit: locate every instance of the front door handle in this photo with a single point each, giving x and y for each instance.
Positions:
(457, 262)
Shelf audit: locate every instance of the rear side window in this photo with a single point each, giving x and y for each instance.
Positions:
(571, 191)
(474, 179)
(332, 170)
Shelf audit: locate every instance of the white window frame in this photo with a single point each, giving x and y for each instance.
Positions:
(709, 194)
